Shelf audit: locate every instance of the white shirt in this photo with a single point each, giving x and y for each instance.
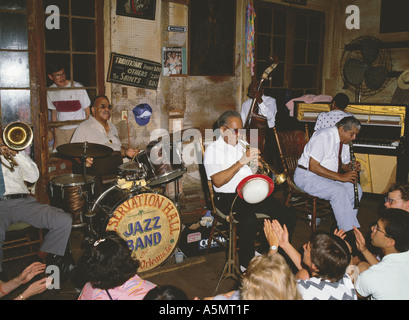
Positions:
(267, 108)
(324, 148)
(92, 131)
(25, 171)
(69, 103)
(330, 118)
(220, 156)
(386, 280)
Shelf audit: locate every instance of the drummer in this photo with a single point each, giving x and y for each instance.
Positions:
(100, 130)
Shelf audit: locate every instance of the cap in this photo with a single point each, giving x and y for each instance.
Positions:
(142, 113)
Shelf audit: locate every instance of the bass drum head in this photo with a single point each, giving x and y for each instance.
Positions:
(150, 223)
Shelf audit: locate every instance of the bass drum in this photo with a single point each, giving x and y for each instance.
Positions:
(149, 222)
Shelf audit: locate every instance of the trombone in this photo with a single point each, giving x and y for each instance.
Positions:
(16, 136)
(278, 178)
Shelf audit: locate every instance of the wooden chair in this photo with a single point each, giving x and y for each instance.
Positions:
(291, 145)
(22, 241)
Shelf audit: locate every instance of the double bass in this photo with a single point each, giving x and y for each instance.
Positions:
(254, 120)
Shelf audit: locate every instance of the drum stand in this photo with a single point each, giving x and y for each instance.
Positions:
(230, 269)
(177, 194)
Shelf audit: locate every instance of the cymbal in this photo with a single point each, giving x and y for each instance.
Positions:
(79, 149)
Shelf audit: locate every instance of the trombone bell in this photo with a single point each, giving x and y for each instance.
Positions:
(16, 136)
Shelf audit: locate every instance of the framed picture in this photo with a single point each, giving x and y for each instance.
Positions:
(143, 9)
(173, 61)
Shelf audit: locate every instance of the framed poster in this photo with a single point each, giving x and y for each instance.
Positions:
(143, 9)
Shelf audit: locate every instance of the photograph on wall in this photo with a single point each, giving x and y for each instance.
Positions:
(174, 61)
(143, 9)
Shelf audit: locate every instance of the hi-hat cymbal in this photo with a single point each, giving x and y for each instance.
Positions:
(79, 149)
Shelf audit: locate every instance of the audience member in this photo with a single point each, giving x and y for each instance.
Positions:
(24, 277)
(336, 113)
(67, 101)
(268, 277)
(398, 196)
(166, 293)
(389, 278)
(326, 257)
(111, 272)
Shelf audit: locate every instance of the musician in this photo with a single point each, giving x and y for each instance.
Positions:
(336, 113)
(16, 205)
(227, 162)
(324, 170)
(266, 105)
(100, 130)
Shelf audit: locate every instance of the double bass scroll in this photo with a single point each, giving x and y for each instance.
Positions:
(255, 120)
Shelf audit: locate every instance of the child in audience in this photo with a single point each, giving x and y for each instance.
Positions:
(326, 257)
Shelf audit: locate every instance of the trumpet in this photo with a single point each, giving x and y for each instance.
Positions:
(16, 136)
(266, 169)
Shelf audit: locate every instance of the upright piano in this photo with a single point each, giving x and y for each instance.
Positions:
(381, 146)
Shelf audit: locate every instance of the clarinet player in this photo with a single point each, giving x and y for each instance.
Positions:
(325, 171)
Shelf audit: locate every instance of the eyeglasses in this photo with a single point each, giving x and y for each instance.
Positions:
(104, 106)
(377, 228)
(59, 75)
(235, 131)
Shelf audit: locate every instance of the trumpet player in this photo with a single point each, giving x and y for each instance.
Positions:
(227, 162)
(16, 205)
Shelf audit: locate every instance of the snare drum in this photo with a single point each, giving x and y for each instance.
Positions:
(161, 163)
(131, 171)
(72, 194)
(149, 222)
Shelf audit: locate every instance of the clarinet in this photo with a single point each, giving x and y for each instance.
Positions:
(353, 161)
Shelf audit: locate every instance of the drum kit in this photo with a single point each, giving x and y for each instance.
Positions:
(149, 221)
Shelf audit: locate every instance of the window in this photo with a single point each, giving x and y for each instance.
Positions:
(15, 102)
(25, 48)
(295, 36)
(76, 44)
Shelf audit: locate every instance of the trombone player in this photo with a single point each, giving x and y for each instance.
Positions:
(227, 163)
(16, 205)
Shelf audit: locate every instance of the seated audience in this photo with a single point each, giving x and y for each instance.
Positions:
(389, 278)
(326, 257)
(268, 277)
(24, 277)
(111, 272)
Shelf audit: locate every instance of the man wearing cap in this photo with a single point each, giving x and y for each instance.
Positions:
(227, 163)
(98, 129)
